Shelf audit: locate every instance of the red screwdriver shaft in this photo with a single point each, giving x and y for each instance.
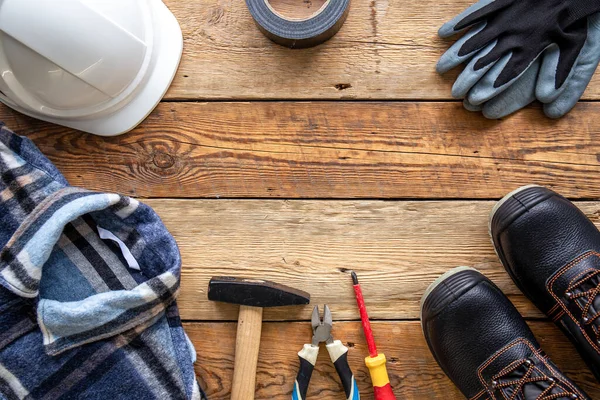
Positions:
(376, 361)
(364, 316)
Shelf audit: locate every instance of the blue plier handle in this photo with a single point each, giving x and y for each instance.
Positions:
(337, 352)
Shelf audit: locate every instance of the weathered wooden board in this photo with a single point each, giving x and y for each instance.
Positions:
(397, 249)
(329, 150)
(386, 50)
(413, 372)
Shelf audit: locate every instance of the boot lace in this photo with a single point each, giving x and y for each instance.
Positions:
(588, 290)
(509, 379)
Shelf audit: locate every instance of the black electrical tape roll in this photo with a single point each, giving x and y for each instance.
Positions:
(299, 33)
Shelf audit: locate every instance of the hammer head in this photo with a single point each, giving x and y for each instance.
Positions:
(254, 293)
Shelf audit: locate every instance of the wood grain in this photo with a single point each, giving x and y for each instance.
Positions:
(397, 249)
(387, 49)
(329, 150)
(414, 373)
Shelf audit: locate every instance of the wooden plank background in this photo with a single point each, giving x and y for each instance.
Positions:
(397, 248)
(260, 166)
(386, 150)
(412, 369)
(387, 49)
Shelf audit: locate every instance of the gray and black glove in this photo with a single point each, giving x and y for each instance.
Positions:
(546, 49)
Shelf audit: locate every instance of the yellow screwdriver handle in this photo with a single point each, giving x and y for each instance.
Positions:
(379, 377)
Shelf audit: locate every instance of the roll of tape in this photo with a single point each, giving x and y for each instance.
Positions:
(299, 33)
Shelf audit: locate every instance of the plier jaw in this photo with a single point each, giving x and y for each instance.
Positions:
(338, 353)
(321, 327)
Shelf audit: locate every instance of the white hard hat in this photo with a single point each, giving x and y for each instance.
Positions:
(100, 66)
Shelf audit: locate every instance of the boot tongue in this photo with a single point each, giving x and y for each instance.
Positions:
(533, 390)
(579, 276)
(510, 364)
(587, 284)
(530, 390)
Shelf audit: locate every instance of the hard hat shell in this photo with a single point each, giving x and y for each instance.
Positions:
(100, 66)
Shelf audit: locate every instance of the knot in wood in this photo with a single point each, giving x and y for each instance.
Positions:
(163, 160)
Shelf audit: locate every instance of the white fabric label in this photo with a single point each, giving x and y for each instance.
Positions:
(108, 235)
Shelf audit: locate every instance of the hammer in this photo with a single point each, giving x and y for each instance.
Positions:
(252, 295)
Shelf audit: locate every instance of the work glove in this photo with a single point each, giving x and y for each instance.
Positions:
(520, 50)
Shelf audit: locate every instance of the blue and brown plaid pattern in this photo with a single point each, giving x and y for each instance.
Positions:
(78, 320)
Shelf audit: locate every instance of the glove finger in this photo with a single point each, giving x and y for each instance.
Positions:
(519, 95)
(470, 76)
(486, 88)
(449, 28)
(471, 107)
(479, 41)
(483, 13)
(517, 64)
(546, 90)
(582, 73)
(451, 58)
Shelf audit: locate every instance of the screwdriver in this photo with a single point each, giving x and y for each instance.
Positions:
(376, 361)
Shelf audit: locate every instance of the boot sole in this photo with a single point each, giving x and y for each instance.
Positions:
(495, 210)
(443, 296)
(508, 209)
(503, 201)
(430, 289)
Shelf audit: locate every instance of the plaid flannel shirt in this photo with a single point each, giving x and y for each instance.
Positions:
(84, 317)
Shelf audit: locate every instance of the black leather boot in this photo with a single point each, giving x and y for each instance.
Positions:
(483, 344)
(552, 252)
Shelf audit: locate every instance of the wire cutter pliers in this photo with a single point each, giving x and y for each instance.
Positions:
(337, 351)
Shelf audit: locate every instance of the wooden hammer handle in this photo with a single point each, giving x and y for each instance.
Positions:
(247, 345)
